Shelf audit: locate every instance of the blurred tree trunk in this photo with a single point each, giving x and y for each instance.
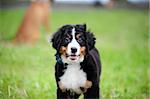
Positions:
(113, 3)
(110, 4)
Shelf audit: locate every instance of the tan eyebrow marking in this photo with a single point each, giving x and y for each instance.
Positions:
(78, 35)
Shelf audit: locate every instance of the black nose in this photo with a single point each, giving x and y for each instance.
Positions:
(73, 50)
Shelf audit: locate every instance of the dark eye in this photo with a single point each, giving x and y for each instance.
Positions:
(67, 40)
(80, 40)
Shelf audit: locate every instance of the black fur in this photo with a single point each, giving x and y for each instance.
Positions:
(57, 37)
(91, 64)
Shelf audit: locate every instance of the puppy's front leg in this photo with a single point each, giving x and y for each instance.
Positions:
(88, 84)
(61, 86)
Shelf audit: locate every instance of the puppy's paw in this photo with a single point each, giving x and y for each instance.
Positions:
(61, 86)
(88, 84)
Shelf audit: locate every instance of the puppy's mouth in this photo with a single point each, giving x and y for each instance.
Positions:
(73, 57)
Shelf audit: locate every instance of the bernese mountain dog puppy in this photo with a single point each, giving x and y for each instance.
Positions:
(78, 66)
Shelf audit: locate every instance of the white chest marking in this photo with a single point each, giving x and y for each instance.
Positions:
(73, 78)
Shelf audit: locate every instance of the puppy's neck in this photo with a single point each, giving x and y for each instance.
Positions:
(73, 64)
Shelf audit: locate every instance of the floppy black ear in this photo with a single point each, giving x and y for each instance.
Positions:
(84, 27)
(57, 37)
(90, 40)
(81, 27)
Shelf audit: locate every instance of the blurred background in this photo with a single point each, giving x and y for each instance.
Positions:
(108, 3)
(120, 27)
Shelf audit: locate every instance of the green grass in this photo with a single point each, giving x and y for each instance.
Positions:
(122, 39)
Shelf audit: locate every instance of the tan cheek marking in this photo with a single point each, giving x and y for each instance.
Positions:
(63, 50)
(82, 50)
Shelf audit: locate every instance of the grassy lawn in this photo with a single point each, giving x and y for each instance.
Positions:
(122, 39)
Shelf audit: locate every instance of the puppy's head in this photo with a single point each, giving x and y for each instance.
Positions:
(73, 42)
